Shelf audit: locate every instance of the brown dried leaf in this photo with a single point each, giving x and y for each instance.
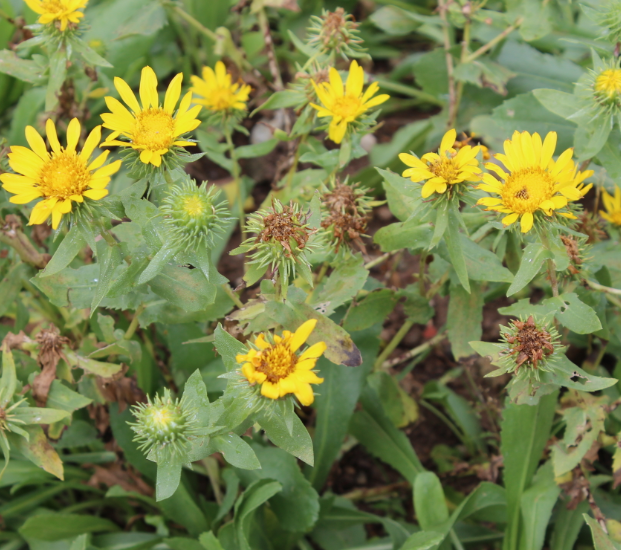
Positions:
(121, 389)
(114, 474)
(15, 341)
(50, 352)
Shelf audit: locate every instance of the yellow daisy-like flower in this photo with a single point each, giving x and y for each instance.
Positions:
(444, 168)
(535, 181)
(65, 11)
(608, 83)
(278, 368)
(151, 129)
(216, 91)
(59, 177)
(345, 104)
(612, 206)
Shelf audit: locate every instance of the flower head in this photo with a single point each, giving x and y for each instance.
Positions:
(608, 83)
(612, 206)
(336, 31)
(192, 215)
(151, 129)
(63, 11)
(216, 91)
(60, 177)
(273, 363)
(607, 15)
(345, 105)
(164, 426)
(444, 168)
(530, 345)
(535, 183)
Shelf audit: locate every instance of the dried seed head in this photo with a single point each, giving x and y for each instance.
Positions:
(286, 226)
(531, 345)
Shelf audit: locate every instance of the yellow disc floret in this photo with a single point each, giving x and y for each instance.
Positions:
(63, 11)
(612, 204)
(216, 91)
(150, 128)
(277, 367)
(608, 82)
(345, 104)
(534, 181)
(60, 176)
(445, 168)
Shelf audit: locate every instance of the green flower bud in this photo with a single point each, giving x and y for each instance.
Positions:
(607, 14)
(164, 426)
(192, 214)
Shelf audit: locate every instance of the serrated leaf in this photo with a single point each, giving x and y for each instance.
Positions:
(66, 252)
(532, 260)
(236, 451)
(298, 443)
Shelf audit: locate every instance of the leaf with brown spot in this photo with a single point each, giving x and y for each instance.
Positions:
(38, 450)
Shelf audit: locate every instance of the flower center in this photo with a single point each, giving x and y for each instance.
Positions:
(53, 6)
(277, 362)
(221, 99)
(445, 168)
(609, 82)
(162, 417)
(193, 206)
(154, 130)
(347, 107)
(64, 175)
(526, 189)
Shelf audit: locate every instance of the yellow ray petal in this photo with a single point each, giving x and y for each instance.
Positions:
(301, 334)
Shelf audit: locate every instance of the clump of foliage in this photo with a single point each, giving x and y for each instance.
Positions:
(264, 260)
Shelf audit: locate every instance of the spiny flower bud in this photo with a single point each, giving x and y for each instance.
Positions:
(530, 347)
(336, 31)
(192, 215)
(607, 14)
(164, 426)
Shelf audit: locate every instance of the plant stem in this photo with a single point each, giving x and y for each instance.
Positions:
(408, 90)
(455, 540)
(478, 53)
(363, 494)
(232, 295)
(236, 179)
(105, 234)
(131, 330)
(550, 263)
(390, 347)
(415, 351)
(195, 23)
(447, 421)
(442, 8)
(607, 289)
(211, 465)
(380, 259)
(12, 236)
(422, 263)
(296, 160)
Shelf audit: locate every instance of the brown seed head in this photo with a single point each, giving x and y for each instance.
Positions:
(348, 222)
(529, 343)
(285, 226)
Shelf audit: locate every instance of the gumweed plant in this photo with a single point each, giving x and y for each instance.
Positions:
(242, 251)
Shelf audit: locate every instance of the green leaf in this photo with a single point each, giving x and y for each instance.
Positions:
(567, 525)
(440, 225)
(168, 478)
(147, 21)
(38, 450)
(22, 69)
(297, 505)
(376, 305)
(464, 319)
(453, 243)
(382, 439)
(256, 150)
(532, 260)
(298, 443)
(255, 495)
(110, 258)
(423, 540)
(536, 504)
(228, 347)
(574, 314)
(337, 400)
(57, 75)
(158, 263)
(525, 431)
(8, 382)
(341, 286)
(63, 398)
(403, 196)
(481, 264)
(282, 100)
(52, 527)
(429, 501)
(11, 284)
(416, 307)
(560, 103)
(393, 21)
(37, 415)
(65, 253)
(209, 542)
(236, 451)
(105, 370)
(600, 538)
(185, 288)
(409, 234)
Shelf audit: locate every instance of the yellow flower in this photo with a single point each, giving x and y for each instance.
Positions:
(608, 82)
(613, 207)
(277, 367)
(59, 177)
(65, 11)
(447, 167)
(535, 181)
(151, 129)
(216, 91)
(347, 104)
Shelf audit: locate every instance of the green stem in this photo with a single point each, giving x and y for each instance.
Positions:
(422, 263)
(232, 295)
(236, 178)
(296, 160)
(390, 347)
(447, 421)
(455, 540)
(409, 91)
(322, 272)
(452, 114)
(131, 330)
(105, 234)
(606, 289)
(415, 351)
(550, 263)
(18, 241)
(380, 259)
(195, 23)
(478, 53)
